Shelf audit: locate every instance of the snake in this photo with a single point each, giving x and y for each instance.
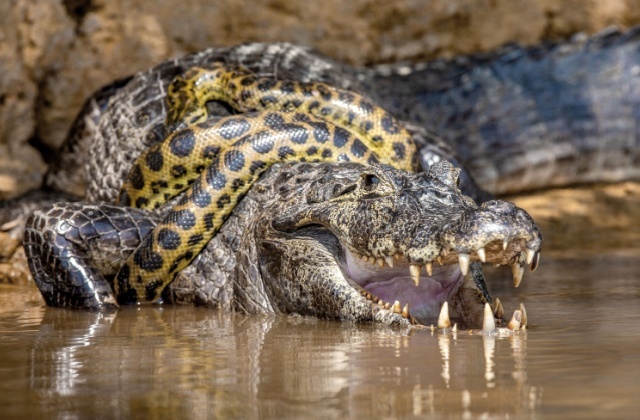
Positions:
(214, 162)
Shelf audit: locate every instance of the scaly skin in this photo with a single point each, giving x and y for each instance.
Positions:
(246, 92)
(261, 140)
(298, 242)
(235, 152)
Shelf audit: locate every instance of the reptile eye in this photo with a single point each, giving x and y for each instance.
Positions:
(370, 181)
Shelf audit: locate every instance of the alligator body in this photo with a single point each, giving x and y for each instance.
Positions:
(329, 240)
(495, 111)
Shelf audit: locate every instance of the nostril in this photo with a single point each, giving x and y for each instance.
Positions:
(499, 206)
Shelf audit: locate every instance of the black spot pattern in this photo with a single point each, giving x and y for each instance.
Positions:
(234, 160)
(182, 143)
(284, 152)
(184, 219)
(256, 166)
(248, 80)
(178, 171)
(325, 93)
(159, 185)
(262, 142)
(327, 153)
(154, 160)
(358, 148)
(366, 126)
(300, 117)
(237, 184)
(151, 289)
(320, 131)
(313, 105)
(168, 239)
(210, 152)
(389, 124)
(340, 137)
(399, 150)
(147, 259)
(347, 97)
(233, 128)
(265, 85)
(291, 104)
(287, 86)
(312, 150)
(215, 178)
(274, 121)
(343, 157)
(246, 95)
(136, 178)
(223, 201)
(366, 106)
(297, 133)
(208, 221)
(195, 239)
(265, 101)
(141, 202)
(200, 197)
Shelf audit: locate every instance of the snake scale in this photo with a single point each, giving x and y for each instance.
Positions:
(217, 161)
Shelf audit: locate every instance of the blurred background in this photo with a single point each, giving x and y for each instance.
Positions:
(55, 53)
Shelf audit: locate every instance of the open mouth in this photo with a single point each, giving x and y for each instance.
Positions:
(418, 292)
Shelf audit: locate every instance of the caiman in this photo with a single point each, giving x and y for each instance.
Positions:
(336, 240)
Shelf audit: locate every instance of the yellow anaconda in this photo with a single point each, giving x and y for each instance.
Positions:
(218, 161)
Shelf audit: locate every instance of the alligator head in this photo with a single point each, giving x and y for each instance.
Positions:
(374, 244)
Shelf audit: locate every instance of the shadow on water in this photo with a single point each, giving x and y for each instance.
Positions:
(580, 357)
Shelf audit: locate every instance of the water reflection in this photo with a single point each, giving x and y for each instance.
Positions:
(186, 362)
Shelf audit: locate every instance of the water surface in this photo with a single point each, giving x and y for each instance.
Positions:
(579, 358)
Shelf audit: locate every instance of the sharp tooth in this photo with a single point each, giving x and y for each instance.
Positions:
(380, 303)
(488, 323)
(463, 259)
(386, 305)
(396, 307)
(530, 254)
(498, 309)
(415, 273)
(405, 311)
(505, 243)
(443, 319)
(439, 259)
(368, 295)
(372, 259)
(389, 260)
(429, 268)
(364, 258)
(481, 254)
(524, 321)
(381, 262)
(535, 262)
(455, 328)
(496, 265)
(517, 273)
(514, 324)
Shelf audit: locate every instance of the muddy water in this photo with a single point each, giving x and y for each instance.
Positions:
(579, 358)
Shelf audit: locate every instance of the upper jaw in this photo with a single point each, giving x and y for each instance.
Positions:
(408, 286)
